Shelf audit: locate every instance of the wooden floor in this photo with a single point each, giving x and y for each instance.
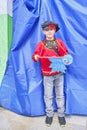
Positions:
(12, 121)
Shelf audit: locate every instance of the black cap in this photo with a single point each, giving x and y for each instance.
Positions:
(47, 23)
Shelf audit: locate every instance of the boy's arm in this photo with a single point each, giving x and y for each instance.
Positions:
(37, 52)
(62, 48)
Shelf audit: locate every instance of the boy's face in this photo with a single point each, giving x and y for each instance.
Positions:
(49, 33)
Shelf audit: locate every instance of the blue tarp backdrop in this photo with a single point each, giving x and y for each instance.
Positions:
(22, 88)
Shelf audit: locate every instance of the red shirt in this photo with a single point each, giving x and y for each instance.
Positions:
(45, 52)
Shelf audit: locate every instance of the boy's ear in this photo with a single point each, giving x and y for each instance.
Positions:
(43, 31)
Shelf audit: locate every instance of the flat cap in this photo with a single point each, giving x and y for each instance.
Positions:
(50, 24)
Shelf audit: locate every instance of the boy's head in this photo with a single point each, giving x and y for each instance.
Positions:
(49, 28)
(50, 25)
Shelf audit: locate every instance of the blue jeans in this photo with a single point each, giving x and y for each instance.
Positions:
(49, 83)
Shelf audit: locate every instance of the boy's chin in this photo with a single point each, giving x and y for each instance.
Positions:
(50, 37)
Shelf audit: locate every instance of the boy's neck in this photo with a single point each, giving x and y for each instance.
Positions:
(50, 39)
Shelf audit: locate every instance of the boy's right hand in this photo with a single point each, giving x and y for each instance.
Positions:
(36, 57)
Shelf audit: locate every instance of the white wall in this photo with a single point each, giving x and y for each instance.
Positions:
(6, 7)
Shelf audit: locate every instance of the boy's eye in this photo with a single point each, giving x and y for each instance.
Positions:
(48, 29)
(51, 29)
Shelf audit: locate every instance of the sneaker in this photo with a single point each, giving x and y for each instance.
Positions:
(48, 120)
(62, 121)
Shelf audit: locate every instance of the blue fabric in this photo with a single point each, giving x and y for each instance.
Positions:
(22, 87)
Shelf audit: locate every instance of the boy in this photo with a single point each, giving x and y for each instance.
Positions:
(51, 47)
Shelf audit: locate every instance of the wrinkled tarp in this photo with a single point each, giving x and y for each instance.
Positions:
(22, 87)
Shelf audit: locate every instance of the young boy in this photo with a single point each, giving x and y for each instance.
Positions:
(51, 47)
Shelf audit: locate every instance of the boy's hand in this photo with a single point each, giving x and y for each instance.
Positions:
(36, 57)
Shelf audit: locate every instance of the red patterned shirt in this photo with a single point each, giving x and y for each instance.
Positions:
(45, 52)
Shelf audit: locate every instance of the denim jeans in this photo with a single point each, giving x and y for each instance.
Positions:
(49, 83)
